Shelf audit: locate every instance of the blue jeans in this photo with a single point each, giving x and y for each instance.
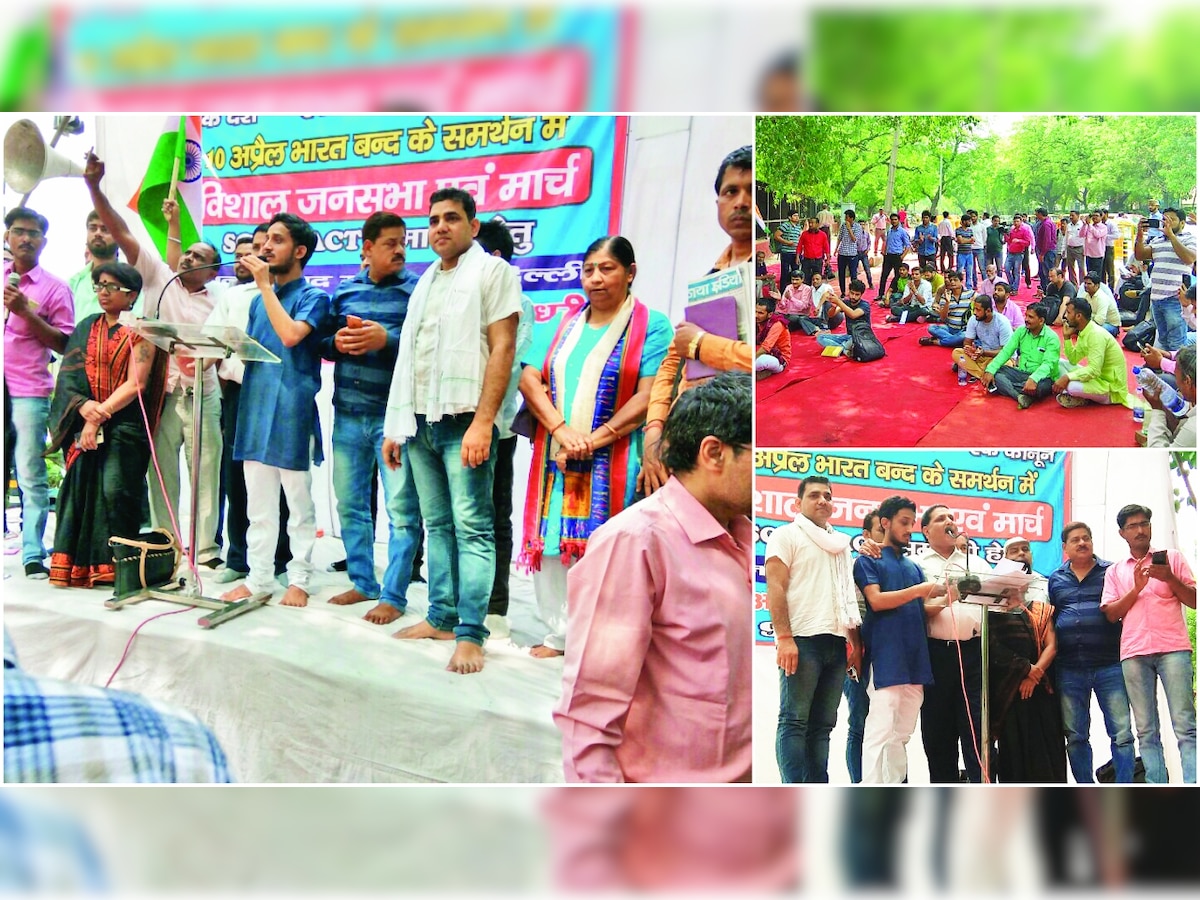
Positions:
(808, 702)
(947, 336)
(1013, 266)
(456, 503)
(966, 265)
(1141, 676)
(357, 443)
(860, 704)
(833, 340)
(1075, 687)
(1046, 262)
(29, 417)
(1169, 326)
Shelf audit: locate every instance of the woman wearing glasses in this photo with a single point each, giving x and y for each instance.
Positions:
(97, 420)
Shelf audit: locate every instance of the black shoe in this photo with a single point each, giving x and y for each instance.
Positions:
(215, 563)
(339, 566)
(36, 571)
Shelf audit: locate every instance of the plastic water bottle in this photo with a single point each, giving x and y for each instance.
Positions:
(962, 376)
(1139, 412)
(1170, 398)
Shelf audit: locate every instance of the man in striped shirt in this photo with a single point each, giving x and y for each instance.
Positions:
(1173, 254)
(787, 235)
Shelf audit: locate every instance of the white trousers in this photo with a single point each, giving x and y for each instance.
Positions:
(175, 430)
(263, 484)
(891, 720)
(550, 589)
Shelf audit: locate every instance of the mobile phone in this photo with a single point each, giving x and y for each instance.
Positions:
(1158, 558)
(354, 321)
(1154, 223)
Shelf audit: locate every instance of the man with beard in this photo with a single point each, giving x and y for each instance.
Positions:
(187, 299)
(894, 642)
(1173, 256)
(101, 248)
(278, 431)
(233, 308)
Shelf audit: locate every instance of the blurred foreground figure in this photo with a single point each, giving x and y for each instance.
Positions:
(674, 838)
(43, 850)
(656, 681)
(60, 732)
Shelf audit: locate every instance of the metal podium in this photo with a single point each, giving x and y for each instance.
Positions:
(995, 593)
(200, 342)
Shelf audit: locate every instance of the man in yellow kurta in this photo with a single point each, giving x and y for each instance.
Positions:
(1103, 378)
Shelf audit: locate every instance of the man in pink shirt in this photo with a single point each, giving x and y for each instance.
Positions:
(1095, 237)
(39, 315)
(656, 680)
(1146, 592)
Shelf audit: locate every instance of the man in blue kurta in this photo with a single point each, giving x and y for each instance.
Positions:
(895, 649)
(278, 432)
(362, 337)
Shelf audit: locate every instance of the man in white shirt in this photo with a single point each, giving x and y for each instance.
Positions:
(814, 611)
(1105, 312)
(456, 356)
(186, 299)
(946, 721)
(1074, 262)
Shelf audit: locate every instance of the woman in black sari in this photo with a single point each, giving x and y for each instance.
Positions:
(97, 421)
(1026, 718)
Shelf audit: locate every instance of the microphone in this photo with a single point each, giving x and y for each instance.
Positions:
(969, 584)
(177, 275)
(14, 280)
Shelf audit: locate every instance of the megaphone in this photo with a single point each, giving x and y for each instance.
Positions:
(28, 159)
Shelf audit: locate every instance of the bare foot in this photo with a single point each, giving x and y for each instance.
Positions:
(541, 651)
(241, 592)
(347, 597)
(383, 614)
(423, 630)
(467, 659)
(294, 596)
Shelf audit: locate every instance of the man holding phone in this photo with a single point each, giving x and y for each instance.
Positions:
(1146, 593)
(1173, 257)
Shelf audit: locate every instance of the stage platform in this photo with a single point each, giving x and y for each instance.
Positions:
(315, 694)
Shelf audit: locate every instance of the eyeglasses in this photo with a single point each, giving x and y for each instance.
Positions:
(25, 232)
(107, 287)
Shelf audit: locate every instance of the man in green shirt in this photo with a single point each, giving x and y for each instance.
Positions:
(101, 248)
(1036, 348)
(1103, 379)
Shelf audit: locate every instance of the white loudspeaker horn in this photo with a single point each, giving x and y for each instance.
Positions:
(28, 159)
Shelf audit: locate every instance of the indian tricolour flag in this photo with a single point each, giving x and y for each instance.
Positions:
(174, 164)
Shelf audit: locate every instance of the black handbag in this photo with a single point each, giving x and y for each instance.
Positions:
(148, 561)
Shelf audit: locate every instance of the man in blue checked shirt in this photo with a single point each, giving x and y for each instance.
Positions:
(363, 339)
(66, 733)
(925, 241)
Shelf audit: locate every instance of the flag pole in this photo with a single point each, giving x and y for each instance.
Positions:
(180, 146)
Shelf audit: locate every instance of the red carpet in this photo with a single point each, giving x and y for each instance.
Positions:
(910, 398)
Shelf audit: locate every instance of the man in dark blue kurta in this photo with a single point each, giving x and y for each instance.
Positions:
(895, 649)
(278, 432)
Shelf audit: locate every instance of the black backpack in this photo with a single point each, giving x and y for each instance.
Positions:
(864, 346)
(1141, 333)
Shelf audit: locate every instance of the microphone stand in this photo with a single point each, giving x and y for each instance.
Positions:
(985, 737)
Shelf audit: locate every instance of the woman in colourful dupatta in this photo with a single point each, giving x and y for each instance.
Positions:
(588, 389)
(97, 421)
